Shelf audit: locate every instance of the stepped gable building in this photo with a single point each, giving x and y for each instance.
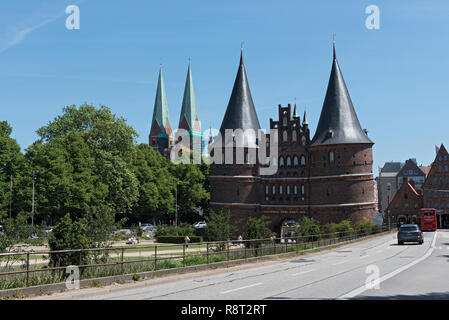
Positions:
(161, 135)
(408, 201)
(406, 204)
(328, 177)
(412, 172)
(436, 187)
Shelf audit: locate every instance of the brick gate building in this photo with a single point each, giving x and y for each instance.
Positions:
(328, 177)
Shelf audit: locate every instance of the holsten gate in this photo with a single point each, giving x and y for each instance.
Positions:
(328, 177)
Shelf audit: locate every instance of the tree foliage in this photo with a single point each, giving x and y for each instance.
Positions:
(220, 227)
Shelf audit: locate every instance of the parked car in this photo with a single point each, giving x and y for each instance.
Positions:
(147, 227)
(199, 225)
(49, 229)
(410, 233)
(2, 231)
(289, 223)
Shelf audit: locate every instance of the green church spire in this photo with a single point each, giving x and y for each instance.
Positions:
(189, 112)
(160, 113)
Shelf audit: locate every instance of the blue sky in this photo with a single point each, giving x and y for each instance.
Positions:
(397, 76)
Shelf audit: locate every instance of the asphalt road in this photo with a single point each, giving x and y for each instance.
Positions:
(373, 269)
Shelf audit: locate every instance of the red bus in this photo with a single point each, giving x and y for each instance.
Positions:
(428, 219)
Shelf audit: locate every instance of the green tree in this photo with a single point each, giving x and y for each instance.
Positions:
(68, 235)
(156, 186)
(191, 190)
(107, 152)
(65, 181)
(257, 228)
(13, 164)
(220, 227)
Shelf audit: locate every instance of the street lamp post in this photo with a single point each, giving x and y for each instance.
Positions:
(176, 213)
(32, 200)
(10, 200)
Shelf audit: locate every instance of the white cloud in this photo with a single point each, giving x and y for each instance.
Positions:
(17, 32)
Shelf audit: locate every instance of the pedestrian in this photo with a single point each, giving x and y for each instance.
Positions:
(187, 240)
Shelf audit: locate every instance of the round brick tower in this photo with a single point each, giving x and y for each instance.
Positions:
(340, 157)
(234, 179)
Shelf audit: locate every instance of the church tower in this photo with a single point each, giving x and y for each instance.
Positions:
(188, 120)
(161, 135)
(340, 159)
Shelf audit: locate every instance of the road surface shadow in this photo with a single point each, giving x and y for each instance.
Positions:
(429, 296)
(303, 260)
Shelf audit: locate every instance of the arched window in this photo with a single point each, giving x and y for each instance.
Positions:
(294, 136)
(295, 161)
(281, 162)
(273, 190)
(302, 160)
(267, 189)
(284, 121)
(331, 157)
(295, 189)
(303, 190)
(280, 189)
(284, 136)
(289, 161)
(288, 189)
(303, 140)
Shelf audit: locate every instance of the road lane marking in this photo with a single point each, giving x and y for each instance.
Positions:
(341, 262)
(364, 256)
(303, 272)
(364, 288)
(241, 288)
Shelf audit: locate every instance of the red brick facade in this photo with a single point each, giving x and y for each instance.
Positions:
(328, 183)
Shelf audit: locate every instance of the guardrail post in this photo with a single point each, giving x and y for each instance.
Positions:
(207, 252)
(28, 268)
(123, 258)
(244, 245)
(227, 250)
(155, 258)
(286, 244)
(184, 255)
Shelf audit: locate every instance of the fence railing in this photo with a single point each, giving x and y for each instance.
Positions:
(23, 269)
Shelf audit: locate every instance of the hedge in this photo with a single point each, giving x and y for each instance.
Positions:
(179, 239)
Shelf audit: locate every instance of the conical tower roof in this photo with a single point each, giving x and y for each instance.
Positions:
(295, 112)
(160, 113)
(305, 122)
(188, 111)
(240, 113)
(338, 122)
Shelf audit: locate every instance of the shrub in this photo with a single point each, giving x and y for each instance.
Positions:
(178, 239)
(309, 228)
(344, 228)
(172, 230)
(364, 227)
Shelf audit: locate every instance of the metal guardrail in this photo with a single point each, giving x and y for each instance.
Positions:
(154, 256)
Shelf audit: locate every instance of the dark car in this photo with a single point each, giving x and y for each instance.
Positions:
(410, 233)
(289, 223)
